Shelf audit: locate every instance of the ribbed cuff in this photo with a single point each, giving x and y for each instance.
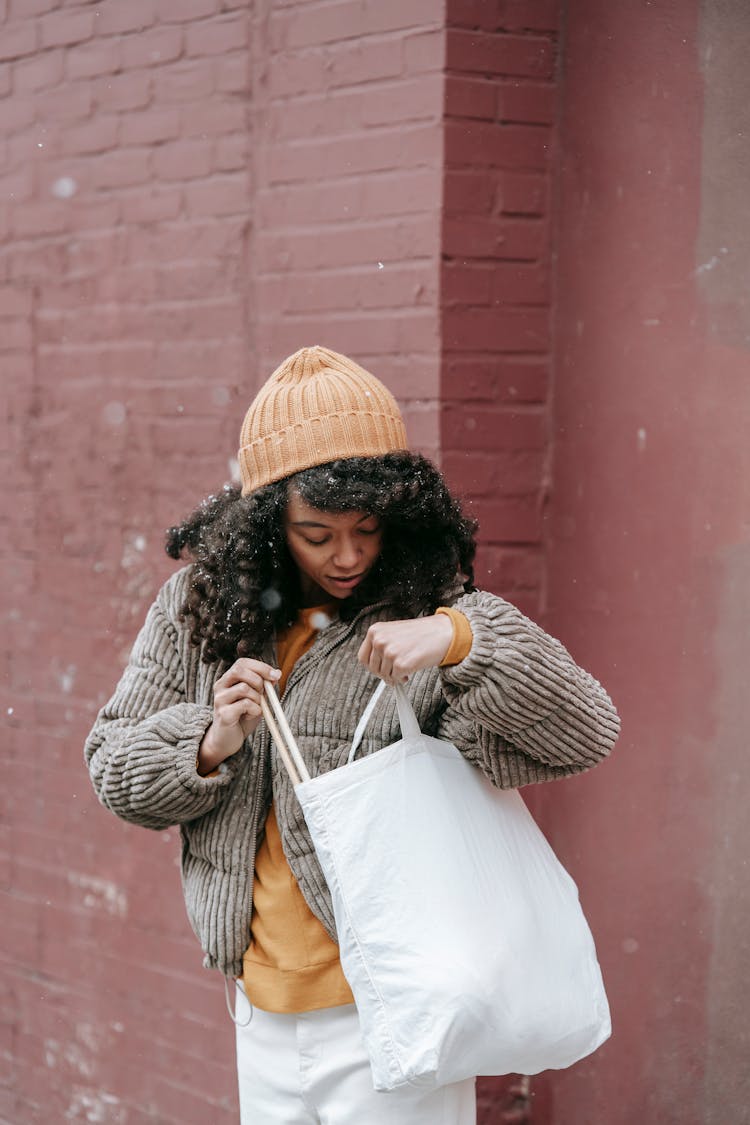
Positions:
(460, 646)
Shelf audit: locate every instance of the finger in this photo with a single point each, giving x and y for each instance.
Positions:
(365, 651)
(380, 665)
(265, 671)
(248, 671)
(236, 692)
(248, 678)
(231, 715)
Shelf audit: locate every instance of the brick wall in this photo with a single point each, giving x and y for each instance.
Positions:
(126, 202)
(190, 189)
(348, 158)
(495, 285)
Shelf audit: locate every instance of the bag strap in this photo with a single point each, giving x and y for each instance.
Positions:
(407, 719)
(362, 724)
(286, 745)
(282, 736)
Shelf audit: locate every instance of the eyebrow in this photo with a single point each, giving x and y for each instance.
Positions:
(327, 526)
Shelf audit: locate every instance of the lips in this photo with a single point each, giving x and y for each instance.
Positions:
(347, 582)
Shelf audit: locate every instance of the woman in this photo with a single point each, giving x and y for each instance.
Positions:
(343, 558)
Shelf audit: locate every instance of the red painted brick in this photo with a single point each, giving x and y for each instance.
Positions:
(233, 74)
(403, 101)
(153, 47)
(149, 127)
(352, 244)
(87, 60)
(302, 74)
(515, 239)
(152, 206)
(346, 156)
(411, 285)
(424, 52)
(481, 143)
(356, 331)
(467, 283)
(70, 102)
(18, 39)
(499, 380)
(97, 135)
(468, 192)
(399, 193)
(216, 118)
(121, 169)
(24, 9)
(224, 195)
(38, 71)
(216, 37)
(16, 114)
(535, 103)
(519, 570)
(521, 283)
(478, 15)
(497, 329)
(486, 428)
(34, 220)
(16, 336)
(410, 376)
(470, 97)
(357, 61)
(505, 15)
(183, 82)
(523, 193)
(115, 19)
(193, 241)
(500, 472)
(62, 28)
(318, 24)
(479, 52)
(398, 15)
(529, 15)
(318, 202)
(421, 425)
(514, 519)
(15, 300)
(18, 186)
(327, 114)
(183, 160)
(231, 153)
(122, 91)
(36, 262)
(194, 10)
(102, 215)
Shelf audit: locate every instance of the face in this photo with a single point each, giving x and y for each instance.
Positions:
(333, 550)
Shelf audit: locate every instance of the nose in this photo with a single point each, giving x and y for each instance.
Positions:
(346, 555)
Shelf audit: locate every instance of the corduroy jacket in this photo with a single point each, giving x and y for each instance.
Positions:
(517, 706)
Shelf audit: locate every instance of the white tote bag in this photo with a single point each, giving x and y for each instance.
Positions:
(461, 935)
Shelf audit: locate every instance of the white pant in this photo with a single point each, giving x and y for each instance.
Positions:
(310, 1068)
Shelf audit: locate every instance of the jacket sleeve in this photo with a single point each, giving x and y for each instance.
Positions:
(519, 707)
(142, 750)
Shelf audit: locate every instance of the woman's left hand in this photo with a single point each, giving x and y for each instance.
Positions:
(395, 649)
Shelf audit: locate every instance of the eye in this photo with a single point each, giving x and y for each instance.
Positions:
(369, 530)
(314, 542)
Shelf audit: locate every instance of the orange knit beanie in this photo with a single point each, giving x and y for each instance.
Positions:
(317, 406)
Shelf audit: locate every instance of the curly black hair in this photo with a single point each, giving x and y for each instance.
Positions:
(245, 585)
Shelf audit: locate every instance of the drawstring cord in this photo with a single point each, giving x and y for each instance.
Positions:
(229, 1004)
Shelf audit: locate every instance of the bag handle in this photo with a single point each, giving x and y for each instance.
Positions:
(282, 736)
(407, 719)
(286, 745)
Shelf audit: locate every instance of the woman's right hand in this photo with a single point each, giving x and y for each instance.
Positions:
(237, 711)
